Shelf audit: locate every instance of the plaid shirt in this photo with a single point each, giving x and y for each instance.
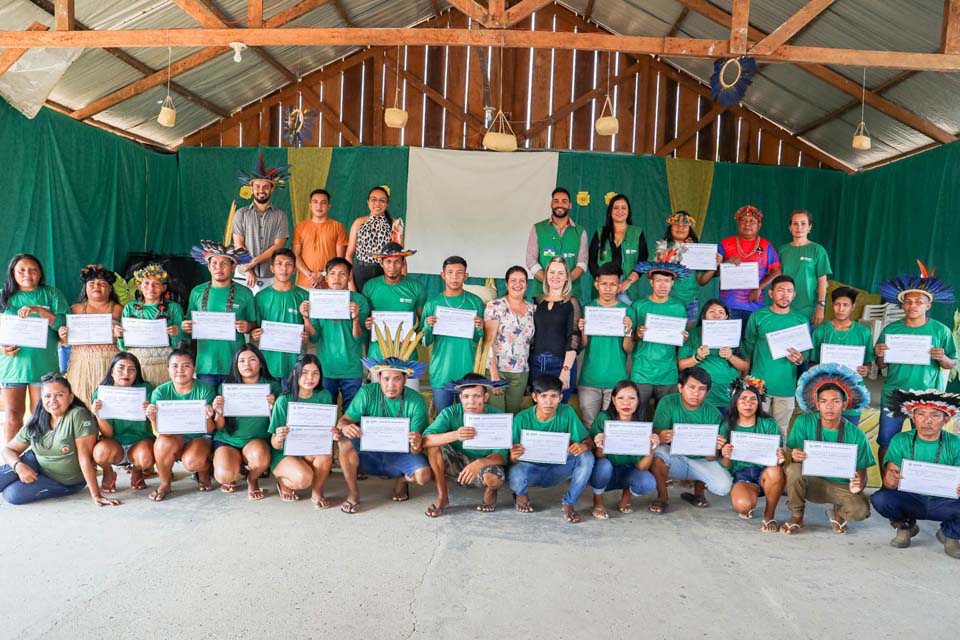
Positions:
(259, 230)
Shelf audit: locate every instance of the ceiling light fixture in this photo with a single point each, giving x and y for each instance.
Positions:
(237, 48)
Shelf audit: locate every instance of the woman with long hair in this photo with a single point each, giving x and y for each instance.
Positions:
(620, 242)
(243, 439)
(296, 473)
(369, 234)
(125, 443)
(153, 302)
(508, 326)
(25, 294)
(724, 364)
(687, 290)
(556, 338)
(60, 436)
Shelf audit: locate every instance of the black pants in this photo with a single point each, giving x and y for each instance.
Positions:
(363, 271)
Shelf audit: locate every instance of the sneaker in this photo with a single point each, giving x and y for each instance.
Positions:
(902, 539)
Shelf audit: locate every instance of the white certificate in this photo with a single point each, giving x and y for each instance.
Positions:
(604, 321)
(664, 329)
(929, 479)
(906, 348)
(455, 323)
(846, 354)
(494, 430)
(308, 441)
(717, 334)
(23, 332)
(627, 438)
(389, 435)
(699, 256)
(308, 414)
(246, 400)
(797, 337)
(392, 319)
(181, 417)
(755, 448)
(284, 337)
(694, 439)
(90, 328)
(745, 275)
(122, 403)
(544, 446)
(829, 459)
(214, 325)
(330, 304)
(145, 333)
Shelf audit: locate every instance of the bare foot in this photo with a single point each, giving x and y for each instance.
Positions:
(523, 505)
(401, 490)
(489, 501)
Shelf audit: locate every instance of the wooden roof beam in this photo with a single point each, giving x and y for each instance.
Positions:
(11, 54)
(343, 13)
(255, 14)
(739, 27)
(64, 17)
(950, 34)
(836, 113)
(691, 130)
(472, 10)
(455, 110)
(793, 25)
(523, 10)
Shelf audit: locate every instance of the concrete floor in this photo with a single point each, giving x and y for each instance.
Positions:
(218, 566)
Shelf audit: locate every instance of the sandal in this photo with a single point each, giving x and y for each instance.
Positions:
(109, 487)
(625, 508)
(201, 485)
(287, 496)
(571, 516)
(137, 483)
(322, 502)
(435, 510)
(255, 494)
(748, 515)
(349, 507)
(158, 494)
(790, 528)
(839, 526)
(600, 513)
(523, 507)
(770, 526)
(401, 497)
(658, 507)
(228, 487)
(487, 507)
(697, 500)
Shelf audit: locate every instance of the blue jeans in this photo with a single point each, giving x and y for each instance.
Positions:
(347, 387)
(889, 427)
(693, 310)
(742, 315)
(212, 379)
(607, 476)
(390, 465)
(709, 472)
(44, 487)
(907, 508)
(534, 474)
(550, 364)
(442, 398)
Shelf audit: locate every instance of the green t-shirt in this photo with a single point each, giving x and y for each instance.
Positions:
(915, 376)
(370, 401)
(805, 265)
(670, 411)
(200, 391)
(604, 360)
(654, 363)
(565, 420)
(214, 356)
(685, 290)
(764, 426)
(902, 448)
(406, 295)
(339, 351)
(247, 427)
(452, 358)
(57, 449)
(279, 417)
(805, 428)
(127, 432)
(280, 306)
(599, 423)
(722, 373)
(29, 363)
(856, 335)
(173, 313)
(780, 375)
(451, 419)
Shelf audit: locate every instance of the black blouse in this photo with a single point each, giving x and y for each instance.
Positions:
(557, 327)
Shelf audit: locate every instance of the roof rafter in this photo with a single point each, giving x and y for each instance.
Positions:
(64, 16)
(791, 27)
(11, 54)
(739, 26)
(950, 35)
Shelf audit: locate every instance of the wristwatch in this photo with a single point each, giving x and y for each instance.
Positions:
(822, 303)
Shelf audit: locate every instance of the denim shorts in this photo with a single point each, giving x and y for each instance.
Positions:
(750, 475)
(390, 465)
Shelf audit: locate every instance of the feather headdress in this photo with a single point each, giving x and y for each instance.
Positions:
(856, 394)
(396, 351)
(752, 383)
(279, 176)
(902, 402)
(209, 248)
(477, 378)
(667, 261)
(893, 291)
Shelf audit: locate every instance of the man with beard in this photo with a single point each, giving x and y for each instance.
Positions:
(556, 236)
(260, 228)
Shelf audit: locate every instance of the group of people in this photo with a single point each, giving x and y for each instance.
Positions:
(535, 337)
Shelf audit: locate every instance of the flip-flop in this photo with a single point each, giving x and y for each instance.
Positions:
(600, 513)
(401, 497)
(139, 484)
(526, 507)
(109, 487)
(790, 528)
(571, 517)
(255, 494)
(487, 507)
(159, 495)
(698, 501)
(659, 507)
(226, 488)
(766, 528)
(349, 507)
(287, 496)
(748, 515)
(322, 503)
(435, 510)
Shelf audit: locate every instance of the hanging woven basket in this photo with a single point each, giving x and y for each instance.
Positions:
(500, 137)
(607, 125)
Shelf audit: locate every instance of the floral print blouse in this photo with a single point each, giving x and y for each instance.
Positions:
(512, 344)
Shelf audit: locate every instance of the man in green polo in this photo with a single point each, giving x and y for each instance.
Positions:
(560, 236)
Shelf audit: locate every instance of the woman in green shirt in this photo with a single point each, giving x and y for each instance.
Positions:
(686, 290)
(60, 436)
(622, 243)
(123, 442)
(154, 303)
(724, 364)
(24, 294)
(243, 439)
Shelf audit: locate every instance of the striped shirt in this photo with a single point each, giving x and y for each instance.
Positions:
(259, 230)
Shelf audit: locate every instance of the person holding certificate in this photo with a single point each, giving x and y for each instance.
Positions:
(90, 362)
(280, 302)
(604, 353)
(260, 228)
(452, 355)
(928, 443)
(389, 398)
(153, 302)
(548, 415)
(52, 455)
(123, 442)
(654, 368)
(780, 373)
(25, 295)
(556, 237)
(688, 407)
(725, 364)
(915, 294)
(686, 291)
(556, 339)
(824, 392)
(842, 331)
(340, 342)
(509, 328)
(220, 295)
(629, 473)
(809, 265)
(296, 473)
(191, 449)
(243, 438)
(450, 452)
(619, 243)
(751, 479)
(393, 291)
